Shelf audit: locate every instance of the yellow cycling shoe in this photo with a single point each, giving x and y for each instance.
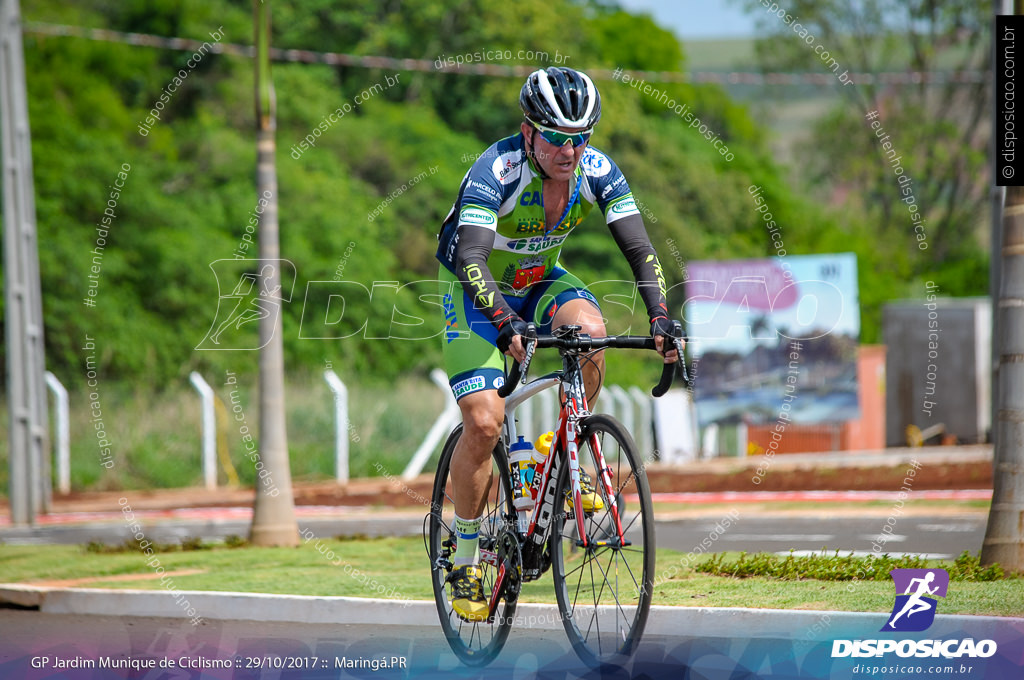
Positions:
(589, 498)
(468, 593)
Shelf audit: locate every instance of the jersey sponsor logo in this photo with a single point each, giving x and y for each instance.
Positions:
(608, 189)
(484, 188)
(506, 164)
(660, 274)
(535, 226)
(529, 271)
(528, 226)
(452, 245)
(595, 163)
(468, 385)
(624, 206)
(531, 198)
(476, 279)
(451, 332)
(535, 244)
(473, 215)
(499, 382)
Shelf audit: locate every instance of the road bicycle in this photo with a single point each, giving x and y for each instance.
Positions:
(602, 561)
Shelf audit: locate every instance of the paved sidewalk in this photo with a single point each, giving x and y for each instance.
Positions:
(664, 620)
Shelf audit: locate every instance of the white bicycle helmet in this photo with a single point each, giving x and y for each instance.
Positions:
(560, 97)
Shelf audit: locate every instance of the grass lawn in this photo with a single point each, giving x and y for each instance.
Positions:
(1004, 597)
(397, 568)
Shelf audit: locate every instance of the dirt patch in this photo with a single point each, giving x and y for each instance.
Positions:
(395, 493)
(930, 476)
(71, 582)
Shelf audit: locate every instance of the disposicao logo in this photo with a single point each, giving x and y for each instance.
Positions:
(914, 611)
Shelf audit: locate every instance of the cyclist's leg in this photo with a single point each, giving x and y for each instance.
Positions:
(475, 369)
(564, 299)
(482, 415)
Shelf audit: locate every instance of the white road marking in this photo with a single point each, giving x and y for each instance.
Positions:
(777, 537)
(894, 538)
(866, 553)
(949, 528)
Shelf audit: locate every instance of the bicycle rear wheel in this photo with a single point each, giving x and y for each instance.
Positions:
(476, 644)
(604, 588)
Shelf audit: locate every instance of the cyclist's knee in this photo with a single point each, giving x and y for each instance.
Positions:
(595, 328)
(592, 324)
(482, 415)
(582, 313)
(482, 425)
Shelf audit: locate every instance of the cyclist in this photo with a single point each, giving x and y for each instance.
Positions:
(517, 204)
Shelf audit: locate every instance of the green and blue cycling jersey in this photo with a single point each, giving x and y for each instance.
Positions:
(502, 192)
(499, 260)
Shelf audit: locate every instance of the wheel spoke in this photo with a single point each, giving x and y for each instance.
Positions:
(617, 575)
(475, 643)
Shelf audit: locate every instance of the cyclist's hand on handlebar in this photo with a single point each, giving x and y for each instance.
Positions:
(661, 329)
(516, 349)
(510, 339)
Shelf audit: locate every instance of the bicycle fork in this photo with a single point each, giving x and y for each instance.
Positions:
(604, 476)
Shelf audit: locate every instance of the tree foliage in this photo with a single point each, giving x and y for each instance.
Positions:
(937, 130)
(190, 191)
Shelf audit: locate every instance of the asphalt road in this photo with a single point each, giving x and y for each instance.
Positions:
(938, 535)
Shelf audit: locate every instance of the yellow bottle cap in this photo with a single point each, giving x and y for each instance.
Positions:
(543, 443)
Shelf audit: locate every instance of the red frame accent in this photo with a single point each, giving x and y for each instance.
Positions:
(559, 439)
(499, 582)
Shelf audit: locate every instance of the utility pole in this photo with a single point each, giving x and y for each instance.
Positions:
(30, 486)
(273, 518)
(1004, 535)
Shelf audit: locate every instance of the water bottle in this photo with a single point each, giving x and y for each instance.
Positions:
(542, 448)
(520, 458)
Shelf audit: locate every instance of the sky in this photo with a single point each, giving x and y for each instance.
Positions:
(690, 19)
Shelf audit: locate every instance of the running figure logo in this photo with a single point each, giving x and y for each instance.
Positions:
(914, 611)
(256, 293)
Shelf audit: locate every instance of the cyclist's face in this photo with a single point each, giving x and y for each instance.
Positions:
(558, 162)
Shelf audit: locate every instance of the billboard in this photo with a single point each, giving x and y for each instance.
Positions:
(774, 339)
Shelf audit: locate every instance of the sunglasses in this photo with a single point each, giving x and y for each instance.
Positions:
(560, 139)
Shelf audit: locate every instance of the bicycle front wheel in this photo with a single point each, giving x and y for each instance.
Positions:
(603, 584)
(475, 643)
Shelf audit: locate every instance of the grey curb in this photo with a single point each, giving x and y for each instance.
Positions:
(664, 620)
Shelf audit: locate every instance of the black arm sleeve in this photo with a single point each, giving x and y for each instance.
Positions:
(632, 239)
(471, 252)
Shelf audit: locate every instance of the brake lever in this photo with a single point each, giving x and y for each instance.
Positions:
(677, 329)
(668, 372)
(531, 345)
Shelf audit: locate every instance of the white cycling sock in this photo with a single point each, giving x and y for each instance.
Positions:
(467, 541)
